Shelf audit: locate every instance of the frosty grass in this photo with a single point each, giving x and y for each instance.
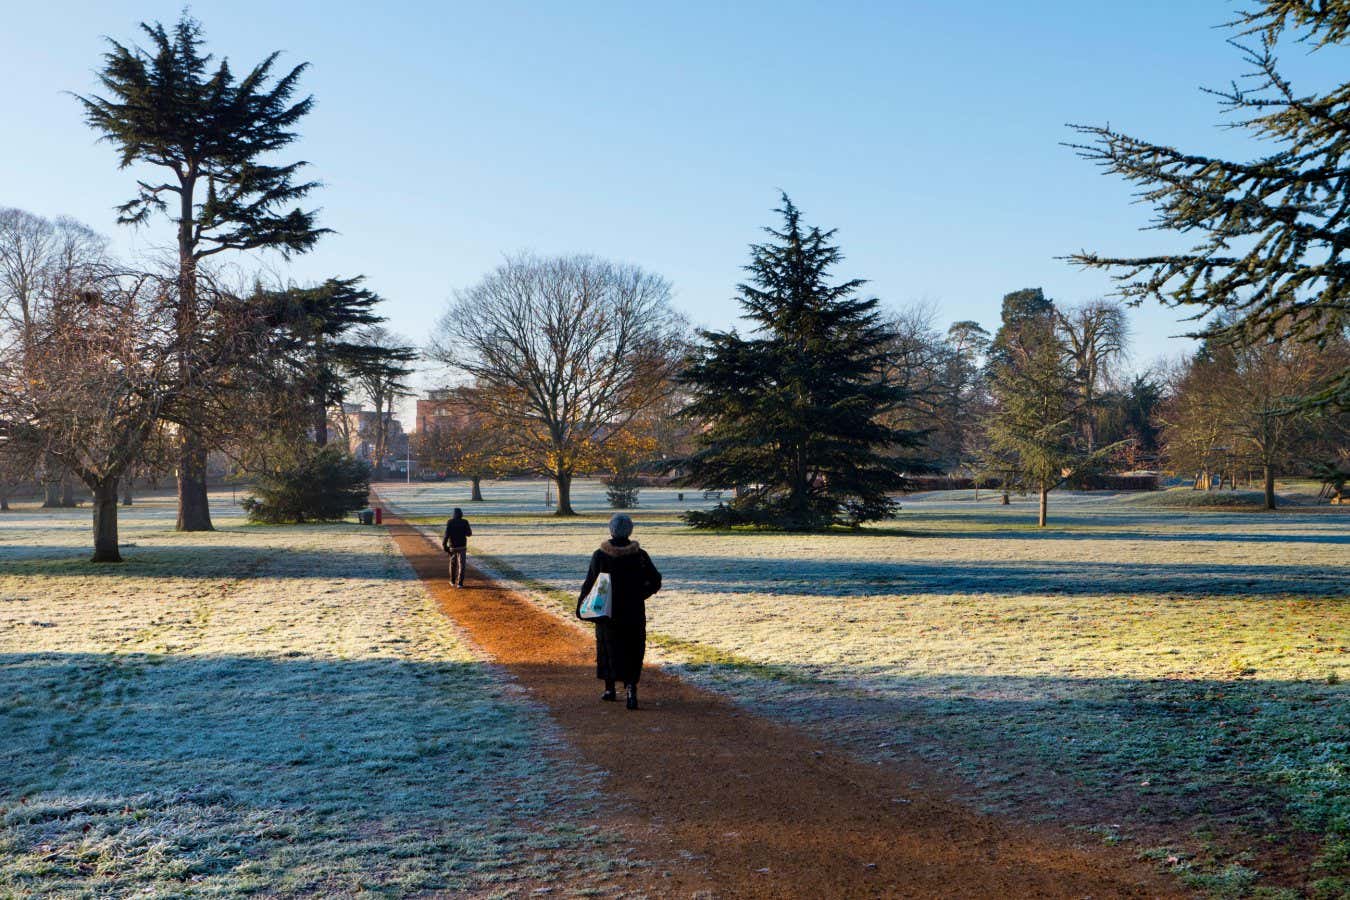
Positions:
(1150, 674)
(277, 711)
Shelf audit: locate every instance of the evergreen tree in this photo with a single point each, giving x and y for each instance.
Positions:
(794, 413)
(315, 358)
(1274, 247)
(323, 486)
(210, 133)
(1034, 436)
(1025, 312)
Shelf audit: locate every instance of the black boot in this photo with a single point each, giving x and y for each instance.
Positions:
(631, 702)
(610, 693)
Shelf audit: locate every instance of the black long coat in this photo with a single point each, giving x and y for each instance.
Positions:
(621, 639)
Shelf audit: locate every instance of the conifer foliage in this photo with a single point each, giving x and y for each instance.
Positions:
(1034, 436)
(323, 486)
(795, 411)
(1271, 251)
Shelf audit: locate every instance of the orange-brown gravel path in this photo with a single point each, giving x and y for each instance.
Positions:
(734, 805)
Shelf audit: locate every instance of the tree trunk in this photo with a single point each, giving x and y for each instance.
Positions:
(381, 433)
(1269, 473)
(4, 499)
(321, 425)
(564, 480)
(51, 479)
(1045, 502)
(105, 522)
(1005, 499)
(194, 511)
(126, 492)
(67, 493)
(477, 495)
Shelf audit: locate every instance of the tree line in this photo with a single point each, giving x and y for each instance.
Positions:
(823, 410)
(829, 406)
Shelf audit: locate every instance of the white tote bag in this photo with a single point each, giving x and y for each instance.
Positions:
(597, 602)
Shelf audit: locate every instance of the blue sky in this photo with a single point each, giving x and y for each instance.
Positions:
(450, 134)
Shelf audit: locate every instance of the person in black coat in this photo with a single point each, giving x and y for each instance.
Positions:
(621, 638)
(455, 541)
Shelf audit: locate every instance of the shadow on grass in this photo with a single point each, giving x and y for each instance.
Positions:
(282, 730)
(1220, 767)
(374, 738)
(289, 770)
(1187, 527)
(808, 576)
(188, 560)
(285, 775)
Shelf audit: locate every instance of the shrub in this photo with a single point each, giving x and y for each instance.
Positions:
(1188, 498)
(323, 487)
(777, 513)
(1099, 481)
(621, 491)
(720, 516)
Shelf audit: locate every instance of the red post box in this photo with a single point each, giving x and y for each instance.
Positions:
(379, 516)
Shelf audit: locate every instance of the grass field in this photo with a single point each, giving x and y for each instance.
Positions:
(1172, 679)
(283, 711)
(266, 711)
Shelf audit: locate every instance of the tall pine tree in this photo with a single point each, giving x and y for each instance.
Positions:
(795, 412)
(210, 135)
(1033, 435)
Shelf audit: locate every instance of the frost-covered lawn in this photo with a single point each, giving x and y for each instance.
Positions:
(275, 711)
(1171, 676)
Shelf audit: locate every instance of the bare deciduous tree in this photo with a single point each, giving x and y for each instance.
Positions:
(1238, 406)
(380, 374)
(42, 259)
(565, 352)
(91, 391)
(463, 440)
(1096, 335)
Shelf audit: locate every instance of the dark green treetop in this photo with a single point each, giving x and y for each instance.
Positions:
(311, 348)
(212, 132)
(794, 411)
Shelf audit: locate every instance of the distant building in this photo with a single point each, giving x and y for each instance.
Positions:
(441, 408)
(359, 429)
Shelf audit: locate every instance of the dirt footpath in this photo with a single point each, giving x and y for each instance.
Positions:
(739, 806)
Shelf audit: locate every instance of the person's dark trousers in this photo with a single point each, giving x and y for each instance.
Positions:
(457, 560)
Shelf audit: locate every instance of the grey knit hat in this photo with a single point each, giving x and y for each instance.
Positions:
(621, 526)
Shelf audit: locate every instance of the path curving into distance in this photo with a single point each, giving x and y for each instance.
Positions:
(734, 805)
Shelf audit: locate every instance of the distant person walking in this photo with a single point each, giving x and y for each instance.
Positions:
(456, 543)
(621, 638)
